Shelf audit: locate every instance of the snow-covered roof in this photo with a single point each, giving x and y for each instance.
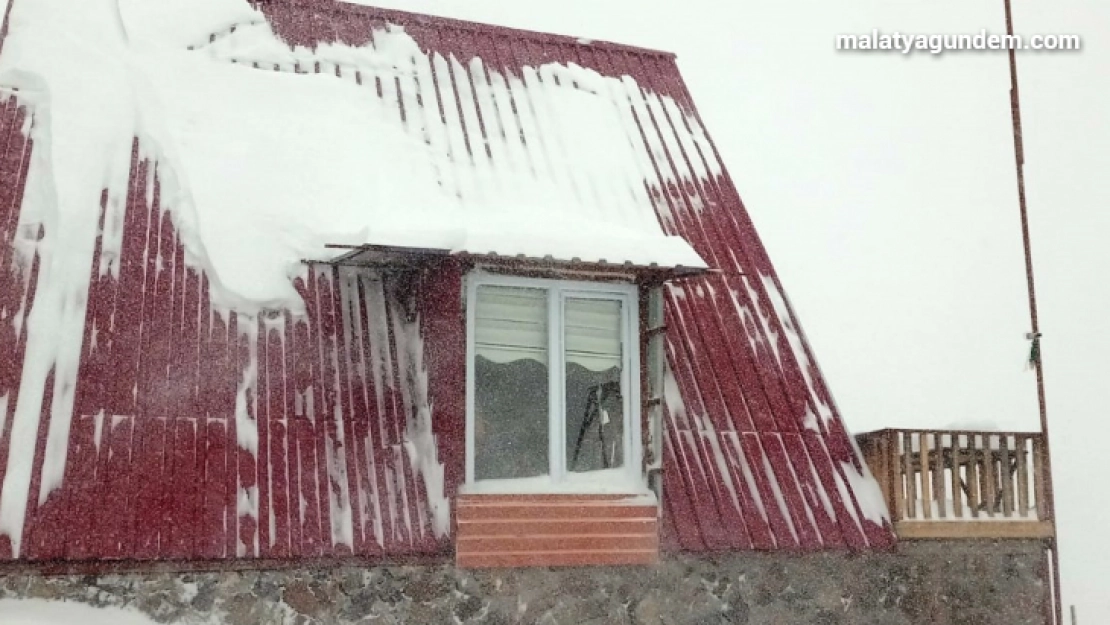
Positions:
(269, 151)
(265, 137)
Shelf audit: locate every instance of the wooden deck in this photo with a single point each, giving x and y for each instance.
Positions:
(962, 483)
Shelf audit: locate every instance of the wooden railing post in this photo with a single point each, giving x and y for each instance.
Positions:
(973, 496)
(1044, 512)
(1005, 468)
(989, 476)
(881, 453)
(954, 449)
(939, 493)
(911, 475)
(1022, 463)
(926, 475)
(896, 480)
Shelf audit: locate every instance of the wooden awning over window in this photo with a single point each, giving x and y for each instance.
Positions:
(548, 266)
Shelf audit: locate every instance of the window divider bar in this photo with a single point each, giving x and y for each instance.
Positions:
(556, 384)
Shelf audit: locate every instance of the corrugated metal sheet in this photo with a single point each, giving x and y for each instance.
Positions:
(758, 458)
(163, 459)
(203, 434)
(19, 262)
(747, 468)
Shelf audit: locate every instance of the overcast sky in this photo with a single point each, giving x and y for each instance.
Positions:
(884, 188)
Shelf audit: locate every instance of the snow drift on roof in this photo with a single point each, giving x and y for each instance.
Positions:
(262, 152)
(263, 162)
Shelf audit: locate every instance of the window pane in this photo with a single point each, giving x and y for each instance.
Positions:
(510, 383)
(594, 397)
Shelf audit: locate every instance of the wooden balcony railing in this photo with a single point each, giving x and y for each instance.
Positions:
(962, 484)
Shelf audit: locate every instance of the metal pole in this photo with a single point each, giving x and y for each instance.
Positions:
(1073, 621)
(1038, 364)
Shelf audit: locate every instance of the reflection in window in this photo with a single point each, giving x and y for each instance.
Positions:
(594, 398)
(510, 383)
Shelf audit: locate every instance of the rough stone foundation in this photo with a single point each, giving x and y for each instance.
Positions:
(957, 583)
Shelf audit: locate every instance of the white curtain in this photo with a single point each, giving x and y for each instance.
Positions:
(592, 330)
(511, 324)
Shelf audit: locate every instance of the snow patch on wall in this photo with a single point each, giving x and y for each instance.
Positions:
(24, 249)
(825, 501)
(246, 395)
(764, 322)
(797, 346)
(247, 506)
(679, 293)
(687, 446)
(867, 492)
(810, 420)
(804, 486)
(339, 497)
(687, 140)
(755, 339)
(98, 430)
(860, 481)
(846, 497)
(677, 409)
(776, 490)
(749, 479)
(48, 55)
(420, 441)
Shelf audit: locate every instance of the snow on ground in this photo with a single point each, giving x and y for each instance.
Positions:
(43, 612)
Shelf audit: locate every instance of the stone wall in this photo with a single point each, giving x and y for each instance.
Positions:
(957, 583)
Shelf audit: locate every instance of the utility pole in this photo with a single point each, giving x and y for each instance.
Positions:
(1036, 353)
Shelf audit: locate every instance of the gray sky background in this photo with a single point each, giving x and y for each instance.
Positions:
(884, 188)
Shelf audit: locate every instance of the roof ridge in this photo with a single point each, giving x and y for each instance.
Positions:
(340, 6)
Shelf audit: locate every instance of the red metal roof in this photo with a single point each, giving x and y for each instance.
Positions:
(757, 456)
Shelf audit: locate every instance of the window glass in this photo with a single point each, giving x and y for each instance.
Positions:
(511, 383)
(594, 397)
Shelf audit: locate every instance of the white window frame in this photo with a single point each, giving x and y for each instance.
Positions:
(627, 479)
